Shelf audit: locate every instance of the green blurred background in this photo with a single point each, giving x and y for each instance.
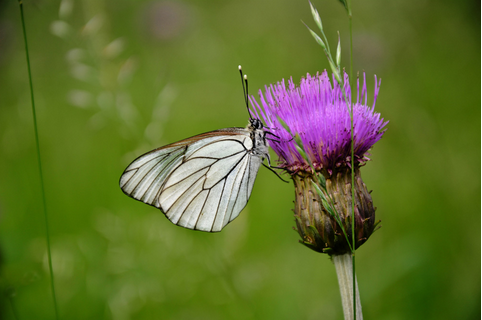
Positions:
(115, 79)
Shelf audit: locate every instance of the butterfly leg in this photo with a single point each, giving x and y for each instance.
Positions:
(276, 173)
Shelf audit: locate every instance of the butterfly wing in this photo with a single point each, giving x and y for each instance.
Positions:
(200, 183)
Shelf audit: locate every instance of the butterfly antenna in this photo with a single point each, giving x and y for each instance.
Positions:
(244, 82)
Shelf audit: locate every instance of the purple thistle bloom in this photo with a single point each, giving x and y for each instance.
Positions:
(317, 112)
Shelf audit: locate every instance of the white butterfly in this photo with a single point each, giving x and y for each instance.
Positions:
(202, 182)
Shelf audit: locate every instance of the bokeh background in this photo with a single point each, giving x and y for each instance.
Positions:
(115, 79)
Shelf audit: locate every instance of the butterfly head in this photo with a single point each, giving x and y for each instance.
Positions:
(255, 124)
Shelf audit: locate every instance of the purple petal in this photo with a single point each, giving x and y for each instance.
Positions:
(317, 112)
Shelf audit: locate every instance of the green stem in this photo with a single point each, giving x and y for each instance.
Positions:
(352, 159)
(350, 21)
(14, 309)
(42, 185)
(340, 78)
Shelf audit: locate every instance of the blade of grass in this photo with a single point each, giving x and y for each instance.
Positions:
(348, 5)
(336, 69)
(37, 143)
(10, 293)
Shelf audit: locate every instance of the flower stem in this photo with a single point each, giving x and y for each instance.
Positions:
(350, 22)
(37, 143)
(352, 164)
(343, 266)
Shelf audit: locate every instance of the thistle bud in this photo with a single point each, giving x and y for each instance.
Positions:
(316, 221)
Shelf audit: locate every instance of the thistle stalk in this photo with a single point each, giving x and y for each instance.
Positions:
(344, 272)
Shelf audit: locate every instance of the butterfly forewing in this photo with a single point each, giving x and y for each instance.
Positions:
(199, 183)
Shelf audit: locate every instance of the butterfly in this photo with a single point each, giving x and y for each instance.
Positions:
(202, 182)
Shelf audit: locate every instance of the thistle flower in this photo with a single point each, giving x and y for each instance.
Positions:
(316, 112)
